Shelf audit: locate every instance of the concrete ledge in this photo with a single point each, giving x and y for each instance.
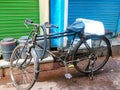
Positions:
(115, 50)
(5, 64)
(47, 62)
(45, 66)
(115, 44)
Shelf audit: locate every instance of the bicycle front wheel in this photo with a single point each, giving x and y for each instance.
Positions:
(97, 47)
(22, 68)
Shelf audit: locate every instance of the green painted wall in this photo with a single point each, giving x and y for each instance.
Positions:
(12, 16)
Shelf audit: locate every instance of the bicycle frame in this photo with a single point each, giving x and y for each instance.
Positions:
(80, 34)
(86, 60)
(52, 36)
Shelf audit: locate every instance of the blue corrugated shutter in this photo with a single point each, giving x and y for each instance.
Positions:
(107, 11)
(57, 18)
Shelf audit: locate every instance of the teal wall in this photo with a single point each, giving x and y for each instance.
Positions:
(57, 18)
(118, 29)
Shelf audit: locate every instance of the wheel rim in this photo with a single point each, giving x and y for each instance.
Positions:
(21, 75)
(101, 52)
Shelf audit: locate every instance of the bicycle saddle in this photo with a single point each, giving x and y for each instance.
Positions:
(77, 26)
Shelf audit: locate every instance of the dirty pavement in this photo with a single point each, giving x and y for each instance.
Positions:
(107, 78)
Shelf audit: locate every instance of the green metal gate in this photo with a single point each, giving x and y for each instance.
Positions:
(12, 16)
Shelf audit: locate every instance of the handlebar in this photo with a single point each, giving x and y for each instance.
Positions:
(46, 24)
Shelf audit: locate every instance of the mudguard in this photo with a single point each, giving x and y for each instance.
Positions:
(109, 47)
(36, 62)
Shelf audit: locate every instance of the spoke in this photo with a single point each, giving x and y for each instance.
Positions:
(22, 72)
(28, 76)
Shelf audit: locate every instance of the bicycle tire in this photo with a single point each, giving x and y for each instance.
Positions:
(102, 52)
(23, 75)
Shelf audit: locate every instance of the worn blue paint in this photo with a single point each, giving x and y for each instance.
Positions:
(106, 11)
(57, 18)
(118, 29)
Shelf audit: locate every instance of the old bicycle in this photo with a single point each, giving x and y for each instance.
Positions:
(86, 58)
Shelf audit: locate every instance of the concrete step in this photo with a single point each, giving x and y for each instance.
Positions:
(47, 63)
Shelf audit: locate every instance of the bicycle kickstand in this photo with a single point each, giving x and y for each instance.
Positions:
(91, 73)
(91, 66)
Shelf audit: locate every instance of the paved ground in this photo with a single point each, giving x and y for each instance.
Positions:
(107, 79)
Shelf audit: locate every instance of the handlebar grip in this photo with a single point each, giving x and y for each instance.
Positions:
(55, 26)
(28, 21)
(50, 25)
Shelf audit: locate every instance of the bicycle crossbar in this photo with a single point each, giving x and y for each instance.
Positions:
(63, 34)
(57, 35)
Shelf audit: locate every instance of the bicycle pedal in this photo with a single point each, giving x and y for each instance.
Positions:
(68, 76)
(70, 66)
(91, 77)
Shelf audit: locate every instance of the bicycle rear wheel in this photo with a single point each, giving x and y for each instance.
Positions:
(22, 68)
(99, 49)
